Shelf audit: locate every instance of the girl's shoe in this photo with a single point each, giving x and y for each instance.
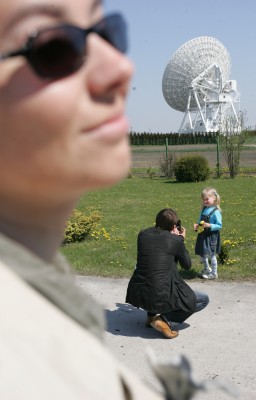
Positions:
(210, 276)
(205, 272)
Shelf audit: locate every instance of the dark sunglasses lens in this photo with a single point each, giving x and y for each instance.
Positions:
(113, 30)
(57, 52)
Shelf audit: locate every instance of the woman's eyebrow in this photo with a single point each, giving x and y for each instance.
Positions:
(41, 9)
(96, 4)
(26, 12)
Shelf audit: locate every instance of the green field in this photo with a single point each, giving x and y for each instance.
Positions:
(133, 204)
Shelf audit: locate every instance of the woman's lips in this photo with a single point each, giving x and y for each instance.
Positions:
(111, 130)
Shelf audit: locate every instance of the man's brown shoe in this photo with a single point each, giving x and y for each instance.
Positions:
(164, 328)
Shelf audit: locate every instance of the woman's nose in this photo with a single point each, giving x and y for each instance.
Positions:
(108, 70)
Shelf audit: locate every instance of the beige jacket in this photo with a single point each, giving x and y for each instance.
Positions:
(45, 354)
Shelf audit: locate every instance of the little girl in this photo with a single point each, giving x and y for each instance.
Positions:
(208, 241)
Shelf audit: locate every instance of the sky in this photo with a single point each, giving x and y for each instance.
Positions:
(157, 28)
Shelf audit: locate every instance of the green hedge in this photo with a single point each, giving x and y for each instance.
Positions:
(159, 139)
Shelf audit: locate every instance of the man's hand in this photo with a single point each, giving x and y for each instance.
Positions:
(182, 232)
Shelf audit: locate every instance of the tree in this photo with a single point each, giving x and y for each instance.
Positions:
(167, 164)
(232, 137)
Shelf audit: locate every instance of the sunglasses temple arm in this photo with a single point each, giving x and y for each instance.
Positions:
(20, 52)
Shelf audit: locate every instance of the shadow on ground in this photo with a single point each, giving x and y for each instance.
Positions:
(126, 320)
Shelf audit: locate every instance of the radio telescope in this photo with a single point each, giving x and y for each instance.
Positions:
(196, 81)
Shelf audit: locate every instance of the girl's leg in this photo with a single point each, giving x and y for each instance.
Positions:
(214, 265)
(205, 262)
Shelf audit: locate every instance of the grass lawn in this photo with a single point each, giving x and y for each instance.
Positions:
(133, 204)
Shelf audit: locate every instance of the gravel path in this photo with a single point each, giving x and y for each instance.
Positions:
(219, 342)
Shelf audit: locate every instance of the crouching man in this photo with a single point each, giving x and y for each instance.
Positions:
(156, 285)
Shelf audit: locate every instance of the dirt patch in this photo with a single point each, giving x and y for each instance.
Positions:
(149, 156)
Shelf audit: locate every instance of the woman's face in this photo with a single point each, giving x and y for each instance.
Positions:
(59, 138)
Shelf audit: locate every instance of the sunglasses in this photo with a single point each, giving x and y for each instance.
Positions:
(59, 51)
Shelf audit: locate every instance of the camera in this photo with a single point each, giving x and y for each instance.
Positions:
(178, 225)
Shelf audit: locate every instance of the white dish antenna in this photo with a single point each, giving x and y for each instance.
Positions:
(196, 81)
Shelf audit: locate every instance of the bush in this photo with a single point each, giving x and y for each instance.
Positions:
(129, 176)
(80, 226)
(223, 257)
(167, 164)
(192, 169)
(150, 173)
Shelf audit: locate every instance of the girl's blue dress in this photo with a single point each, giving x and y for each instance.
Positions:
(208, 241)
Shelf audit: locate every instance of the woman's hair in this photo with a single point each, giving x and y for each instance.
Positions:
(209, 191)
(166, 219)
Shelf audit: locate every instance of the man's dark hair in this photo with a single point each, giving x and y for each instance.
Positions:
(166, 219)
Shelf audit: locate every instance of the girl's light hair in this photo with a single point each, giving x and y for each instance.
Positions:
(209, 191)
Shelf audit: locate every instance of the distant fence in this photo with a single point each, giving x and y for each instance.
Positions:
(158, 139)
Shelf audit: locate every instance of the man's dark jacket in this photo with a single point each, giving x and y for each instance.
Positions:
(156, 285)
